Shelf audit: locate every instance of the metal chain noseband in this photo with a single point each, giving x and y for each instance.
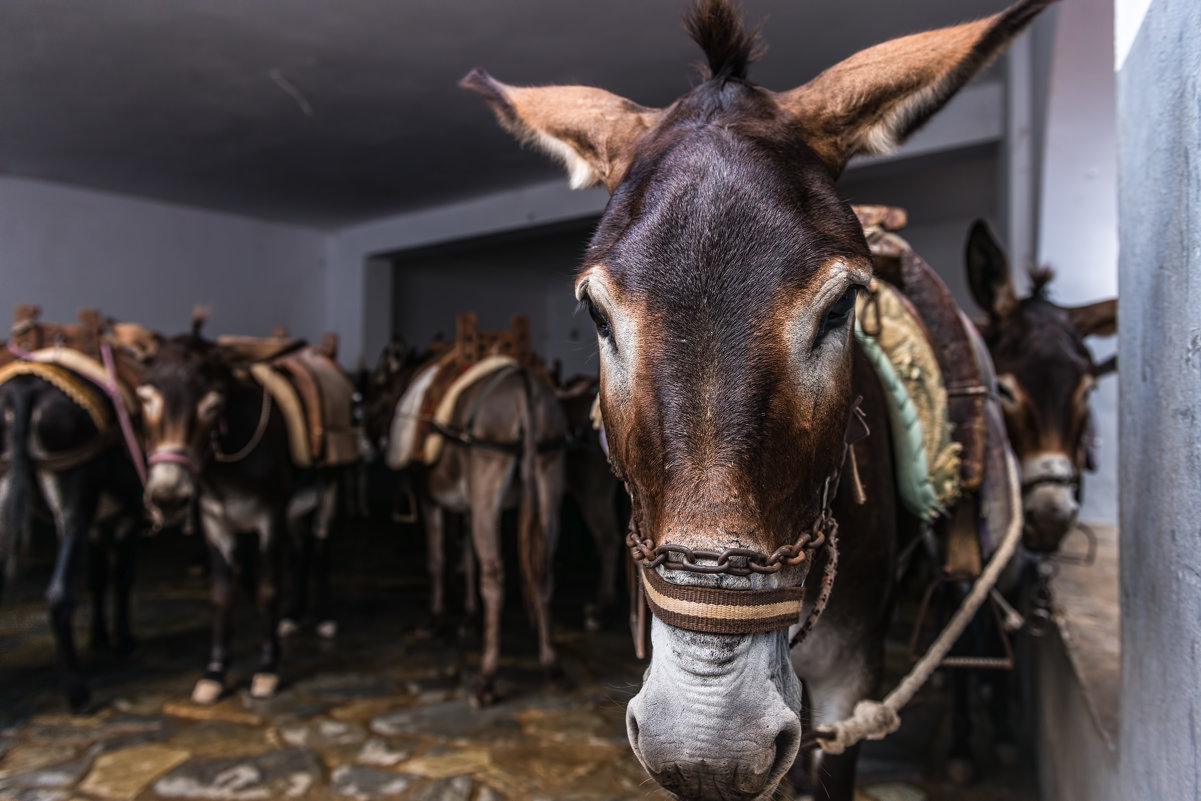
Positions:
(743, 611)
(649, 556)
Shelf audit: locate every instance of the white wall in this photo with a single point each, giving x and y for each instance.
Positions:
(63, 248)
(1078, 208)
(496, 278)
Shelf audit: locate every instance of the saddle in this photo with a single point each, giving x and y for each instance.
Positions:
(69, 355)
(311, 390)
(427, 407)
(969, 413)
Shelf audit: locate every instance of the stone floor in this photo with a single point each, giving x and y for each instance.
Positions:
(1088, 613)
(380, 713)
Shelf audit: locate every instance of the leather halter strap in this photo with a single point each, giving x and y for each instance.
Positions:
(717, 611)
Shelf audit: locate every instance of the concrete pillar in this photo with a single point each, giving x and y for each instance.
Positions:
(1159, 202)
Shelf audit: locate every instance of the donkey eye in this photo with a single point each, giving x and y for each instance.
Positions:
(603, 328)
(838, 314)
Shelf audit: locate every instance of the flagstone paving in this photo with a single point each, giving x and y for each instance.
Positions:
(383, 712)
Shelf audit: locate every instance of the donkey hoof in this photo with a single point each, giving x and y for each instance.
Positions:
(327, 629)
(207, 692)
(287, 627)
(593, 619)
(961, 772)
(485, 693)
(264, 685)
(79, 699)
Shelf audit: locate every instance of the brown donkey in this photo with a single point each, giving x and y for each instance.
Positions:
(503, 449)
(1045, 377)
(722, 280)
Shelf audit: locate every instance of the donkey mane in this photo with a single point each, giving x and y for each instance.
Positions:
(717, 26)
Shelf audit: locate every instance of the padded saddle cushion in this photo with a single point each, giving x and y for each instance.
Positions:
(327, 399)
(899, 265)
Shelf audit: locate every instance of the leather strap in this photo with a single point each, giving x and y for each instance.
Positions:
(711, 610)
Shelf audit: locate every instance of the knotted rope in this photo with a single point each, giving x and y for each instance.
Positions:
(874, 720)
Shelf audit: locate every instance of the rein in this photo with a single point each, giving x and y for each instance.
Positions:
(255, 438)
(195, 466)
(714, 610)
(110, 388)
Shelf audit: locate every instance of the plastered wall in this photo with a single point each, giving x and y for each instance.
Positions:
(63, 248)
(1159, 226)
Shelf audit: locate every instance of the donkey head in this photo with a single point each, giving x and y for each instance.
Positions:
(1045, 375)
(183, 393)
(722, 280)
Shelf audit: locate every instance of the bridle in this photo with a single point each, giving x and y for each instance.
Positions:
(715, 610)
(195, 466)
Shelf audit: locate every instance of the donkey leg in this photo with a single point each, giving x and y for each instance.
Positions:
(271, 532)
(327, 625)
(220, 543)
(124, 546)
(298, 556)
(435, 525)
(839, 671)
(600, 515)
(72, 502)
(488, 478)
(550, 499)
(471, 590)
(98, 569)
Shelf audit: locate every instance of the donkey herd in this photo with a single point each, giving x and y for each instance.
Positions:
(750, 404)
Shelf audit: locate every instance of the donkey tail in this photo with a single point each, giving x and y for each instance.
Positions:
(531, 529)
(14, 500)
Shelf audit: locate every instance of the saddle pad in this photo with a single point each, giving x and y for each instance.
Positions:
(86, 367)
(80, 390)
(335, 392)
(897, 346)
(406, 420)
(285, 398)
(446, 405)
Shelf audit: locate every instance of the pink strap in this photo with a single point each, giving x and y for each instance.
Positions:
(114, 395)
(20, 353)
(172, 456)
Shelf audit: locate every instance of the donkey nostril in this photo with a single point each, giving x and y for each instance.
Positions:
(786, 746)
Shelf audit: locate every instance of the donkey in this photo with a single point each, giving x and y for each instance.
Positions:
(1045, 377)
(94, 496)
(508, 453)
(722, 279)
(591, 484)
(216, 443)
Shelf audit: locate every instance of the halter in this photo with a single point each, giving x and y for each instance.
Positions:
(187, 461)
(714, 610)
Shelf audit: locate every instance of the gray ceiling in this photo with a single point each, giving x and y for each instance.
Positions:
(324, 112)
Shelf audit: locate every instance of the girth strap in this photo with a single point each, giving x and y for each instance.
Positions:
(712, 610)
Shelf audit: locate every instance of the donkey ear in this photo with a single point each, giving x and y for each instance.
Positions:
(1098, 319)
(988, 272)
(593, 133)
(874, 100)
